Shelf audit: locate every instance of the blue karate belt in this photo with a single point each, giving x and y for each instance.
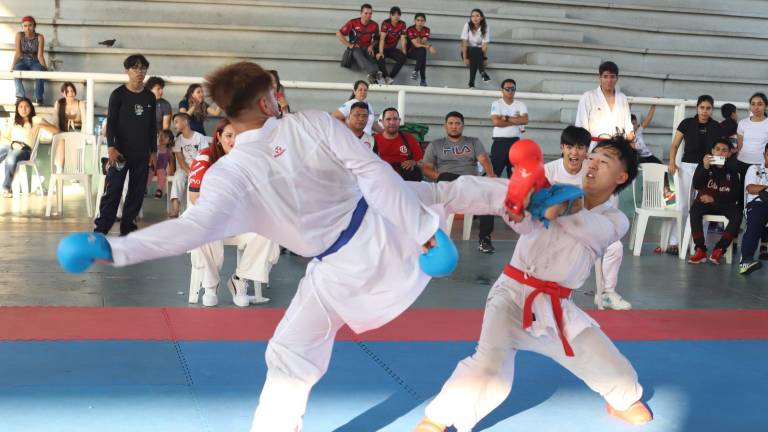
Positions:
(349, 231)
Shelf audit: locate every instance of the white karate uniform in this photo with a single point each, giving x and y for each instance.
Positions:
(594, 114)
(611, 263)
(563, 253)
(296, 181)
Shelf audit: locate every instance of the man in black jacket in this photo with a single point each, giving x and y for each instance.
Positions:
(716, 181)
(132, 144)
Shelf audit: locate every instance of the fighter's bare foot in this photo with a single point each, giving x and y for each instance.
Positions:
(427, 425)
(637, 414)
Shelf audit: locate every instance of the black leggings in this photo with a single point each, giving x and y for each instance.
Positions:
(397, 56)
(476, 59)
(420, 55)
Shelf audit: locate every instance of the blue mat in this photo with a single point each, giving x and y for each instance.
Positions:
(214, 386)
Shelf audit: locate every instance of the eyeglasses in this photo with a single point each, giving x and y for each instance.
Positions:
(139, 68)
(509, 89)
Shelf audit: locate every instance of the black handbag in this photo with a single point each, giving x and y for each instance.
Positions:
(346, 58)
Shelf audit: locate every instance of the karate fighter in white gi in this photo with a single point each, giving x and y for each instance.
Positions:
(305, 182)
(604, 112)
(529, 307)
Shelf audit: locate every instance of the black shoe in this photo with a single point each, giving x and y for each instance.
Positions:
(485, 76)
(486, 246)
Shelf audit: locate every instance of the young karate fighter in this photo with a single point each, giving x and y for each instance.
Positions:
(307, 183)
(551, 261)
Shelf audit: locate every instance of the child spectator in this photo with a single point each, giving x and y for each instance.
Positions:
(359, 35)
(164, 145)
(475, 37)
(417, 37)
(730, 123)
(756, 182)
(716, 181)
(29, 56)
(163, 110)
(392, 34)
(197, 108)
(188, 143)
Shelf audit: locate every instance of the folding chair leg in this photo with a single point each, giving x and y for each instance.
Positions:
(88, 196)
(685, 243)
(449, 223)
(467, 227)
(49, 199)
(642, 224)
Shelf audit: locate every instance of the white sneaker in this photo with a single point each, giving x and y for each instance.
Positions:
(389, 80)
(210, 298)
(613, 300)
(239, 290)
(256, 298)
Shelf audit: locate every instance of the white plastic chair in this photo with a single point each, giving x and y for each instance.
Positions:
(196, 273)
(687, 245)
(467, 227)
(653, 205)
(73, 169)
(20, 184)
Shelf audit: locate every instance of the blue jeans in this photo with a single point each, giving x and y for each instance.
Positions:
(26, 64)
(12, 158)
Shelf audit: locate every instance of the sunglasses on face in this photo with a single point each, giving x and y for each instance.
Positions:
(509, 89)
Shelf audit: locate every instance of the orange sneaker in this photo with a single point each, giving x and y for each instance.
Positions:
(637, 414)
(427, 425)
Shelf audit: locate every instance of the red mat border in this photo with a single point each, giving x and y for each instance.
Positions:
(228, 324)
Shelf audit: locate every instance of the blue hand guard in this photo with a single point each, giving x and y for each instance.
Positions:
(76, 252)
(441, 260)
(543, 199)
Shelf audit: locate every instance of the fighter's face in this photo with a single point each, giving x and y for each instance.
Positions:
(603, 172)
(573, 157)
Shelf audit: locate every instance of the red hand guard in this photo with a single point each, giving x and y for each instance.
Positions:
(525, 155)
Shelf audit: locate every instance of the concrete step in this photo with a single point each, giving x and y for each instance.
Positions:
(563, 60)
(542, 34)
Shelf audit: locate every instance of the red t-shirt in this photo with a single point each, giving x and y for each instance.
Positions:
(394, 151)
(199, 166)
(413, 33)
(393, 32)
(362, 35)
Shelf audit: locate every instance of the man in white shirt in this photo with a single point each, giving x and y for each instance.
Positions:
(185, 149)
(604, 112)
(552, 261)
(306, 182)
(356, 121)
(508, 118)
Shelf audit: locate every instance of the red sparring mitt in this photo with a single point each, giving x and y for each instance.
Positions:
(525, 155)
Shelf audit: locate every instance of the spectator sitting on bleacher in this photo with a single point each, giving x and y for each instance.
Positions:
(185, 148)
(417, 37)
(259, 253)
(455, 155)
(730, 123)
(756, 182)
(163, 111)
(197, 108)
(359, 94)
(282, 102)
(69, 113)
(359, 35)
(18, 139)
(392, 33)
(644, 154)
(716, 181)
(475, 37)
(399, 149)
(356, 121)
(29, 56)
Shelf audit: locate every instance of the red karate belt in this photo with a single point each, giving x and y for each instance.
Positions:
(555, 292)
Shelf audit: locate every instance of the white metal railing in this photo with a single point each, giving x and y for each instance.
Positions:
(90, 80)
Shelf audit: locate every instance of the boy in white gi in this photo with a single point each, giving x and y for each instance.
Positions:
(550, 261)
(306, 182)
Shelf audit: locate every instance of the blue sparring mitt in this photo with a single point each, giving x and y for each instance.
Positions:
(440, 260)
(76, 252)
(543, 199)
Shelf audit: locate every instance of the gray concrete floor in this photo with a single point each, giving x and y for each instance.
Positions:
(32, 277)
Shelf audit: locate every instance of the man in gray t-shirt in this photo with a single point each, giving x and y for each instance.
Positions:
(455, 155)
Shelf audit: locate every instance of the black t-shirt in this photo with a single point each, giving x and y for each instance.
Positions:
(729, 127)
(131, 124)
(699, 138)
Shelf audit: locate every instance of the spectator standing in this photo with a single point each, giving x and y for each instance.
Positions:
(185, 149)
(259, 253)
(756, 182)
(280, 93)
(359, 35)
(197, 108)
(29, 56)
(475, 37)
(69, 112)
(699, 133)
(752, 135)
(356, 122)
(418, 43)
(359, 94)
(604, 111)
(507, 118)
(399, 149)
(391, 34)
(716, 181)
(163, 112)
(18, 139)
(455, 155)
(132, 147)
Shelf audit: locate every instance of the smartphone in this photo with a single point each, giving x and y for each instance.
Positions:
(717, 160)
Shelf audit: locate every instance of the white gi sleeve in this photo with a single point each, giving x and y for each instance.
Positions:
(218, 214)
(467, 194)
(383, 189)
(595, 229)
